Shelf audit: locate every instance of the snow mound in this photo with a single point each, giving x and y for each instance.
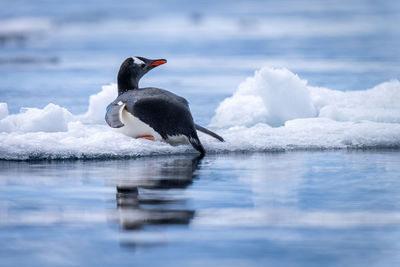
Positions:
(82, 141)
(380, 104)
(52, 118)
(98, 103)
(272, 96)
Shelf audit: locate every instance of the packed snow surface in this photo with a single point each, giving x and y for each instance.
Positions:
(275, 110)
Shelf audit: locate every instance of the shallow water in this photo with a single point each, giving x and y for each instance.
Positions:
(294, 208)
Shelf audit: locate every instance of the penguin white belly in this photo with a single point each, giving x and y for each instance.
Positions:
(134, 127)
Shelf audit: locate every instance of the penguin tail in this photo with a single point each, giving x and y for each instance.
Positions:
(206, 131)
(195, 142)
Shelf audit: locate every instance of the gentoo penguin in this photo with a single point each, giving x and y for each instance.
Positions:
(151, 113)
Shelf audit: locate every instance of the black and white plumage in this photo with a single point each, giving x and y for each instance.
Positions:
(150, 111)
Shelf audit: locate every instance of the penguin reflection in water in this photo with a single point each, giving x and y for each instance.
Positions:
(152, 113)
(141, 194)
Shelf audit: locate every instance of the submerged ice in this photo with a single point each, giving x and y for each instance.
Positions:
(273, 110)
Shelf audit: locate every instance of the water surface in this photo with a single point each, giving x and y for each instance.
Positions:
(296, 208)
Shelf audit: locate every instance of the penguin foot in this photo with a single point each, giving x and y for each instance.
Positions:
(148, 137)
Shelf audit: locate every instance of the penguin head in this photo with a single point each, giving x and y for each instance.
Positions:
(132, 69)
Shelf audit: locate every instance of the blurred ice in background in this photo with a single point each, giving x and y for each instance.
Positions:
(58, 52)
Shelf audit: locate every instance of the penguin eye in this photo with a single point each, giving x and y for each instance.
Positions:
(142, 65)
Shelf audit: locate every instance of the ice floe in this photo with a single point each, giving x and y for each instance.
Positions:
(275, 110)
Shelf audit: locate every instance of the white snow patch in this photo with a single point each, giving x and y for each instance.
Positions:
(51, 118)
(100, 141)
(79, 141)
(380, 104)
(272, 96)
(274, 110)
(98, 104)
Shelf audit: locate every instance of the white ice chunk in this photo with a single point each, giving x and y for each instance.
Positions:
(98, 104)
(272, 96)
(100, 141)
(51, 118)
(380, 104)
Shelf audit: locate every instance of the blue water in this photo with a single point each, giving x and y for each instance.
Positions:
(326, 208)
(288, 209)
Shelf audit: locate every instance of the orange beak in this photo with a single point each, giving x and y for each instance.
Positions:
(158, 62)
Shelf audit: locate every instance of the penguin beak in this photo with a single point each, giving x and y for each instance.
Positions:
(157, 62)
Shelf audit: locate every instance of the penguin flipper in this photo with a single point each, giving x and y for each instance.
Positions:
(113, 115)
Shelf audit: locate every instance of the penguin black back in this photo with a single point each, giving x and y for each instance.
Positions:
(154, 112)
